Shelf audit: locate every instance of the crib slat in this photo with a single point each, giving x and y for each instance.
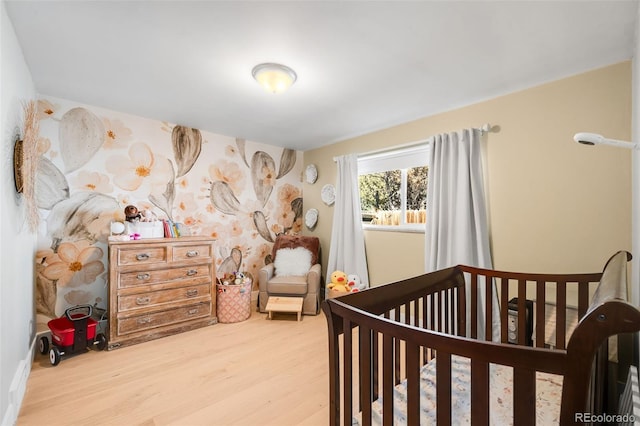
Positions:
(474, 305)
(407, 313)
(374, 368)
(524, 386)
(347, 410)
(504, 309)
(462, 311)
(522, 318)
(447, 324)
(443, 388)
(488, 321)
(413, 383)
(365, 375)
(583, 298)
(439, 313)
(479, 392)
(387, 380)
(425, 317)
(561, 314)
(432, 314)
(334, 377)
(396, 364)
(540, 315)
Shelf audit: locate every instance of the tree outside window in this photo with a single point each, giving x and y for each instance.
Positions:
(394, 197)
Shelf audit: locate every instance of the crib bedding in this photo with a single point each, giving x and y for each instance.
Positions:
(548, 396)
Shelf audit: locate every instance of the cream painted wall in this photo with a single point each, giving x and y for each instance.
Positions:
(554, 205)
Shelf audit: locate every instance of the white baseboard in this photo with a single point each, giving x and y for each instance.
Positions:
(18, 387)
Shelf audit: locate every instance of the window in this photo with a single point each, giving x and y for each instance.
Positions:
(393, 188)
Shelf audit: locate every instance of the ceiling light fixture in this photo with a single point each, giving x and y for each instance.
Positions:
(275, 78)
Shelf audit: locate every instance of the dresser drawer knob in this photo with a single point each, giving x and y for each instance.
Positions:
(142, 256)
(145, 320)
(143, 300)
(192, 253)
(143, 276)
(193, 311)
(192, 293)
(191, 272)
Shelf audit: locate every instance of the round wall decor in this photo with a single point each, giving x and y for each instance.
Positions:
(328, 194)
(311, 173)
(311, 218)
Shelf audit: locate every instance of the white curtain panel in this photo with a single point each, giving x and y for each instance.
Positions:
(347, 252)
(457, 227)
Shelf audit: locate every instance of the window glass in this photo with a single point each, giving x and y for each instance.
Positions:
(393, 188)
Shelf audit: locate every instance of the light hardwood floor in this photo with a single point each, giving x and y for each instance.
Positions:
(256, 372)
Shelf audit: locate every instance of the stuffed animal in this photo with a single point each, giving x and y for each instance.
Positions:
(132, 214)
(338, 282)
(148, 216)
(354, 283)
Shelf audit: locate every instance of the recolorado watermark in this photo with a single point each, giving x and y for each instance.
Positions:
(603, 418)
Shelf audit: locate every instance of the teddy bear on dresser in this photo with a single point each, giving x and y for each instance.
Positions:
(132, 214)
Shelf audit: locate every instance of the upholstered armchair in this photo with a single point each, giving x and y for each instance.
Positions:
(294, 272)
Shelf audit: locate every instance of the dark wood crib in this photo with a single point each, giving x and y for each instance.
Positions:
(384, 343)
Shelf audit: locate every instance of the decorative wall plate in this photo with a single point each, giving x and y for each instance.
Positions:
(311, 218)
(311, 173)
(328, 194)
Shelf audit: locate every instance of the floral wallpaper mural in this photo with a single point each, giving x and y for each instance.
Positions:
(95, 162)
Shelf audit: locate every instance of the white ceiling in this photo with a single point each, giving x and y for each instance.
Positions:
(361, 65)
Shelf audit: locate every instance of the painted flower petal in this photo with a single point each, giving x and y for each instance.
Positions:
(119, 164)
(51, 184)
(55, 271)
(68, 252)
(90, 254)
(90, 272)
(78, 297)
(128, 181)
(141, 154)
(81, 135)
(162, 171)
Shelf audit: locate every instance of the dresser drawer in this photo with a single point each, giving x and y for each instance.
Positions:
(151, 298)
(142, 255)
(196, 274)
(196, 252)
(163, 318)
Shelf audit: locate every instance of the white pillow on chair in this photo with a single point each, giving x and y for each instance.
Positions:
(292, 261)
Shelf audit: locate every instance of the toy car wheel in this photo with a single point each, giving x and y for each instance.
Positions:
(101, 342)
(54, 356)
(43, 345)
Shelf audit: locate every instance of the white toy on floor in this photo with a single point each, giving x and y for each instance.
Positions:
(354, 283)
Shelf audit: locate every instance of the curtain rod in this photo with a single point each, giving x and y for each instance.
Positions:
(485, 128)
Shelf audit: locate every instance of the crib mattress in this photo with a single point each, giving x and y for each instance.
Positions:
(548, 396)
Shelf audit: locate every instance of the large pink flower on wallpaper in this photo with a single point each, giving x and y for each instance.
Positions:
(229, 173)
(287, 193)
(75, 266)
(139, 167)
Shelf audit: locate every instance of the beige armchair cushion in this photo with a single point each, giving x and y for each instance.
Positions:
(306, 286)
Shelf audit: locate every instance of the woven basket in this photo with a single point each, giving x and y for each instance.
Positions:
(233, 302)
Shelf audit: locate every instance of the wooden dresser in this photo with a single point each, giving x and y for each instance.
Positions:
(159, 287)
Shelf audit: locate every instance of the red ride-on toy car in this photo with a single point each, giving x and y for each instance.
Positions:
(72, 333)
